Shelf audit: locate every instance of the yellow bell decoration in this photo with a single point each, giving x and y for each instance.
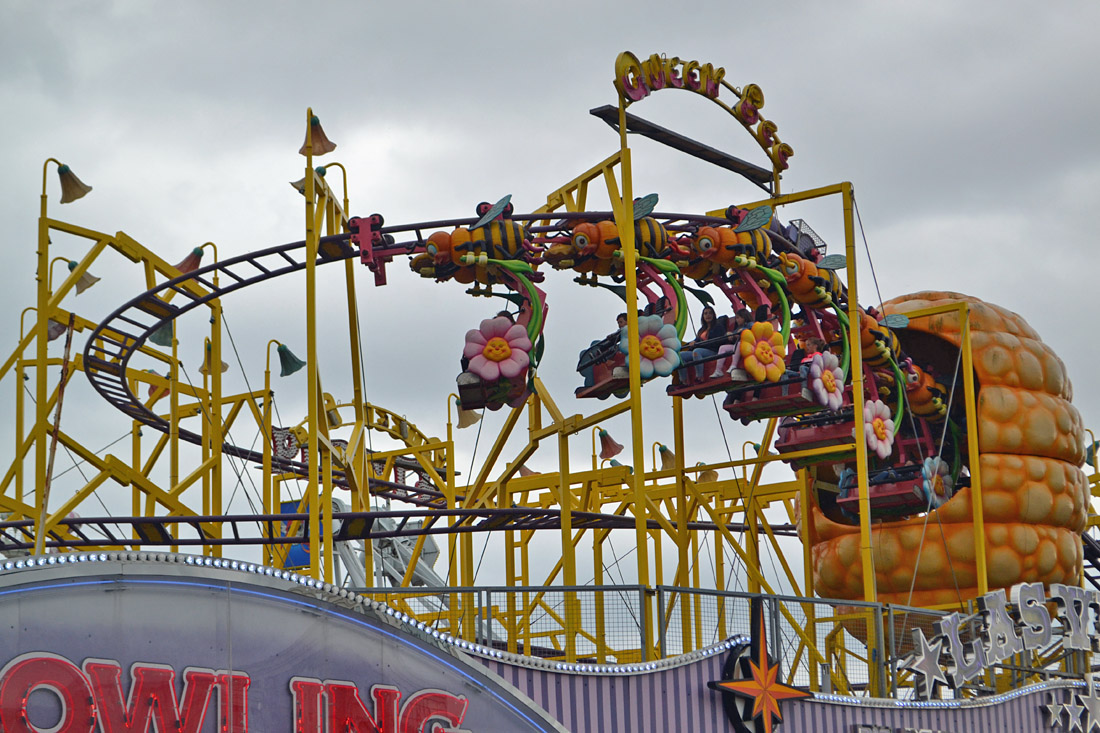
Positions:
(85, 281)
(668, 458)
(706, 476)
(466, 418)
(205, 368)
(72, 188)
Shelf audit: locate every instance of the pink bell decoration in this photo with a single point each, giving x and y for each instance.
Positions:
(155, 392)
(316, 135)
(608, 447)
(190, 263)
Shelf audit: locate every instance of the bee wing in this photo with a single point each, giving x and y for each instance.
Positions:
(644, 206)
(895, 320)
(755, 219)
(832, 262)
(493, 212)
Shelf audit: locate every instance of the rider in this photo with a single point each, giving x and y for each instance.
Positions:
(705, 345)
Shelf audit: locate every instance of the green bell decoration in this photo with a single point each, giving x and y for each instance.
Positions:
(288, 362)
(162, 336)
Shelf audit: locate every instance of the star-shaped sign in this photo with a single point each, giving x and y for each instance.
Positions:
(926, 663)
(1073, 710)
(764, 687)
(1091, 704)
(1054, 711)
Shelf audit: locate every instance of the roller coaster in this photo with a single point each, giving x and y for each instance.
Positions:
(933, 452)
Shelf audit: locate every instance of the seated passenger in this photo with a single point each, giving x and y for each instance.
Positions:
(591, 356)
(801, 357)
(712, 333)
(741, 320)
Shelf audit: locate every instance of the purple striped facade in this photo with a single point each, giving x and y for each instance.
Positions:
(678, 699)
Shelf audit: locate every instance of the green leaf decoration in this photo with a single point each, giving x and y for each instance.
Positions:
(663, 266)
(895, 320)
(494, 212)
(701, 295)
(755, 219)
(832, 262)
(644, 206)
(518, 267)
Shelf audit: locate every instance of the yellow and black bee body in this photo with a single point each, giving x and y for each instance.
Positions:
(651, 238)
(502, 238)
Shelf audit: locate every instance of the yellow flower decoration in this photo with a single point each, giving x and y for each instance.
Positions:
(762, 352)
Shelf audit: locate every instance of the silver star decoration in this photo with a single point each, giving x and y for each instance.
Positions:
(1054, 711)
(926, 662)
(1073, 710)
(1091, 704)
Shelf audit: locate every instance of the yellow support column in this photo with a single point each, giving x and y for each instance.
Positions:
(135, 463)
(568, 552)
(973, 449)
(216, 430)
(805, 517)
(624, 220)
(312, 378)
(452, 540)
(268, 505)
(870, 591)
(683, 536)
(41, 337)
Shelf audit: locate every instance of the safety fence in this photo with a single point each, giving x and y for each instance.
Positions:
(848, 647)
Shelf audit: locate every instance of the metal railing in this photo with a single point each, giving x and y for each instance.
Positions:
(849, 647)
(604, 624)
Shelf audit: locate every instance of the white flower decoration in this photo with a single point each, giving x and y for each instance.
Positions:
(658, 346)
(827, 380)
(938, 484)
(879, 428)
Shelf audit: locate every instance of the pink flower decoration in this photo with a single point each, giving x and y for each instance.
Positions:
(827, 380)
(497, 348)
(879, 428)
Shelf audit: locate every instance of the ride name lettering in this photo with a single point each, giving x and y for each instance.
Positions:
(91, 697)
(636, 79)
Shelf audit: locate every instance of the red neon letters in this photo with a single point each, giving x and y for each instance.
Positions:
(91, 699)
(426, 711)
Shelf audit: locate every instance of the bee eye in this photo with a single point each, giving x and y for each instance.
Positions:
(912, 378)
(432, 250)
(705, 244)
(581, 240)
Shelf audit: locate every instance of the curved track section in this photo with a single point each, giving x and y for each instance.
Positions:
(124, 332)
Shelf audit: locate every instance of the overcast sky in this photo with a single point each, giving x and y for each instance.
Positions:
(968, 131)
